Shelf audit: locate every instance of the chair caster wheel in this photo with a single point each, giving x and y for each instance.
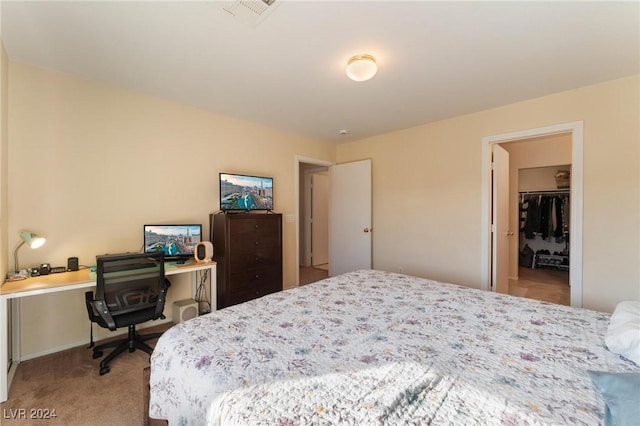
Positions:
(104, 370)
(97, 354)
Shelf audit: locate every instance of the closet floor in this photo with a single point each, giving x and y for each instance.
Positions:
(548, 285)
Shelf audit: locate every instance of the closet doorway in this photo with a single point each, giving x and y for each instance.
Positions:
(544, 206)
(557, 147)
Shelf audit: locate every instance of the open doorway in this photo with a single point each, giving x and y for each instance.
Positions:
(349, 230)
(314, 223)
(313, 230)
(542, 218)
(531, 149)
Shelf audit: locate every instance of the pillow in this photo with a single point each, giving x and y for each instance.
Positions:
(623, 334)
(621, 393)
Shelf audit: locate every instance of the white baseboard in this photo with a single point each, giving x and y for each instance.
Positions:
(117, 333)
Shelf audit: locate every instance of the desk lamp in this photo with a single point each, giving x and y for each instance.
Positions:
(32, 241)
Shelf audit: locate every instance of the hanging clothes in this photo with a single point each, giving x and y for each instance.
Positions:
(558, 226)
(524, 206)
(532, 219)
(545, 215)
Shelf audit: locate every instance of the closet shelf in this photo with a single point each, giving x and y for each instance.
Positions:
(547, 192)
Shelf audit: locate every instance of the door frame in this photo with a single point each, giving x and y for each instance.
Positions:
(575, 128)
(299, 159)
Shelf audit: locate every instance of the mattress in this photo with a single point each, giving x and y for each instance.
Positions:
(372, 347)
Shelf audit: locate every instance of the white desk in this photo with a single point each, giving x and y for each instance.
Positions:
(11, 292)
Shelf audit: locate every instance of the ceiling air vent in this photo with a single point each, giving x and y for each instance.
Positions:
(251, 12)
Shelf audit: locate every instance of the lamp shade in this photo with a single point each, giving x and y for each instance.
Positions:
(32, 240)
(361, 67)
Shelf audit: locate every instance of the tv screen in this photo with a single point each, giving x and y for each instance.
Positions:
(242, 192)
(176, 241)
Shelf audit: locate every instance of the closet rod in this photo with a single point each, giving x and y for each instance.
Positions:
(546, 191)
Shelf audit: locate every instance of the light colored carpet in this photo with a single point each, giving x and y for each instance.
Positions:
(69, 383)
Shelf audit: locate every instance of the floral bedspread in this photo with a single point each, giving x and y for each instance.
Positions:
(373, 347)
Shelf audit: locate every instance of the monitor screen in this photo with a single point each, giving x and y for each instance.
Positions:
(243, 192)
(176, 241)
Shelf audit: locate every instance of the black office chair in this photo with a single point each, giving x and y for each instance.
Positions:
(130, 289)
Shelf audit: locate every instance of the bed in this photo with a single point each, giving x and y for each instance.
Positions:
(372, 347)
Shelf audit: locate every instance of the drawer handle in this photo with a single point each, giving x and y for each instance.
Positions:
(257, 242)
(257, 276)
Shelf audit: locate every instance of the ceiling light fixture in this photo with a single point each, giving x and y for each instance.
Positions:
(361, 67)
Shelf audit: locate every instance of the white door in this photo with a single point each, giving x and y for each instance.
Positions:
(500, 220)
(350, 217)
(320, 219)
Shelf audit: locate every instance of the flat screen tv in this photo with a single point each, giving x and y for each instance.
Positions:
(243, 192)
(176, 241)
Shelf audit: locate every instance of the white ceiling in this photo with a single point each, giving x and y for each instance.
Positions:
(436, 59)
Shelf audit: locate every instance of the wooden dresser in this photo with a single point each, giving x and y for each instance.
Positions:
(248, 250)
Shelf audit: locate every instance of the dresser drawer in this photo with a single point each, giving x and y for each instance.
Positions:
(252, 226)
(255, 278)
(262, 257)
(257, 243)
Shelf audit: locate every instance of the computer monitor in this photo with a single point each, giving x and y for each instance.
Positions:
(175, 240)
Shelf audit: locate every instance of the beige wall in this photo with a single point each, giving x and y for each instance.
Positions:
(427, 189)
(103, 161)
(542, 178)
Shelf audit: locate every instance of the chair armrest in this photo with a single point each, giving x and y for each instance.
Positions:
(161, 298)
(101, 308)
(88, 298)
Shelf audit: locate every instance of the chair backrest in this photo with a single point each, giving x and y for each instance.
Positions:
(130, 282)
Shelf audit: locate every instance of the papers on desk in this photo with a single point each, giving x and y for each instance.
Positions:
(17, 276)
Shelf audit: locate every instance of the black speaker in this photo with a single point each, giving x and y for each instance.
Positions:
(72, 264)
